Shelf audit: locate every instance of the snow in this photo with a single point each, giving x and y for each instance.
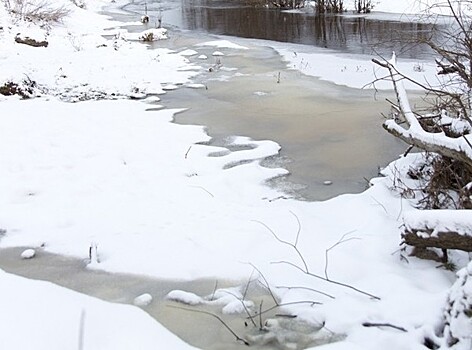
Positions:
(457, 314)
(145, 191)
(350, 70)
(41, 315)
(28, 254)
(185, 297)
(458, 221)
(230, 300)
(143, 300)
(223, 44)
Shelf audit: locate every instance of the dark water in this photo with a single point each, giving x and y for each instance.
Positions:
(358, 34)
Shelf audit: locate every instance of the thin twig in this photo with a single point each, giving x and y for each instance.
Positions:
(467, 141)
(341, 241)
(310, 289)
(244, 306)
(186, 153)
(267, 286)
(327, 280)
(214, 291)
(286, 243)
(385, 209)
(409, 149)
(370, 324)
(238, 338)
(289, 303)
(299, 227)
(305, 269)
(203, 188)
(260, 314)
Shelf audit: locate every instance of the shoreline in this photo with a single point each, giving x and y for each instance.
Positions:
(154, 199)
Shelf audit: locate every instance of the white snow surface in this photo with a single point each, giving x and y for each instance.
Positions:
(41, 315)
(146, 192)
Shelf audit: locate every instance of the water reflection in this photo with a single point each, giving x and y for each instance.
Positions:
(355, 34)
(359, 34)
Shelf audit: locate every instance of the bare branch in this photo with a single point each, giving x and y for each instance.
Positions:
(310, 289)
(286, 243)
(341, 241)
(327, 280)
(267, 285)
(238, 338)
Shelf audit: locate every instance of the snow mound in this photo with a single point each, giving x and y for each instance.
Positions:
(143, 300)
(28, 254)
(458, 312)
(183, 297)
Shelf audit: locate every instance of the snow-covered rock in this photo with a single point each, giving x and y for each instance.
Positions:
(28, 254)
(183, 297)
(143, 300)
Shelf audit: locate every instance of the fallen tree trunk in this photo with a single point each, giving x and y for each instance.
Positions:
(442, 240)
(443, 229)
(31, 42)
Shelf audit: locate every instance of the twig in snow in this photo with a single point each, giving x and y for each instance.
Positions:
(186, 153)
(327, 280)
(380, 204)
(260, 315)
(241, 300)
(238, 338)
(211, 194)
(370, 324)
(312, 303)
(305, 268)
(266, 285)
(214, 291)
(292, 245)
(249, 281)
(341, 241)
(310, 289)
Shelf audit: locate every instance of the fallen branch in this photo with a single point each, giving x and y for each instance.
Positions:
(305, 268)
(238, 338)
(328, 280)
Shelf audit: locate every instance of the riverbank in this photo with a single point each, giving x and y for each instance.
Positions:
(155, 199)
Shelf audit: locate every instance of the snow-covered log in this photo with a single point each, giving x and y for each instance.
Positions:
(444, 229)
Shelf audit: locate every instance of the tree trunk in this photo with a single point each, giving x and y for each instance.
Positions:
(442, 240)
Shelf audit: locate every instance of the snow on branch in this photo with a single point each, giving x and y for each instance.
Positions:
(459, 148)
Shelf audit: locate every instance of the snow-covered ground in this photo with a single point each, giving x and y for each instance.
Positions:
(148, 194)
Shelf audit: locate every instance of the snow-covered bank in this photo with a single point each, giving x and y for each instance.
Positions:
(355, 71)
(40, 315)
(80, 64)
(156, 200)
